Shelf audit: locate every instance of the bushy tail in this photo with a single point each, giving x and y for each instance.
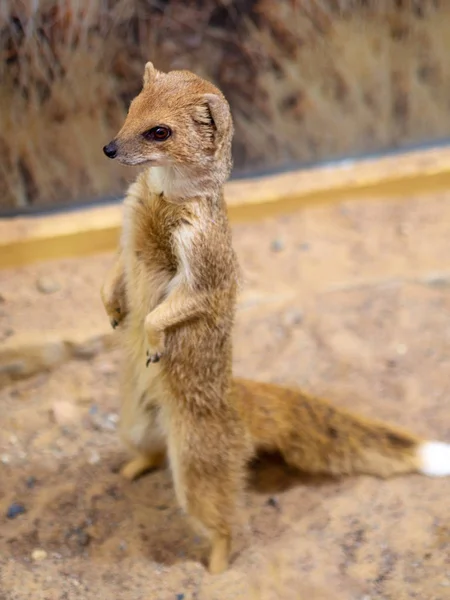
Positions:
(317, 437)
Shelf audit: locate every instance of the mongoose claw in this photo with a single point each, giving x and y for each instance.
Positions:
(153, 358)
(115, 317)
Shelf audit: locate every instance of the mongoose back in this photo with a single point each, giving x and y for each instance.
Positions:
(173, 291)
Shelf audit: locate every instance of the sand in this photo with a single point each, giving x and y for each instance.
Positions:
(350, 302)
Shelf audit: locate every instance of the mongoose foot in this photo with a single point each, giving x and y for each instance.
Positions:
(140, 465)
(156, 341)
(114, 303)
(219, 558)
(153, 358)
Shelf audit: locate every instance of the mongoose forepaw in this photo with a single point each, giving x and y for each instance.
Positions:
(153, 358)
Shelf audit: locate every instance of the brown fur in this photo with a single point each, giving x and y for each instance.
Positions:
(173, 288)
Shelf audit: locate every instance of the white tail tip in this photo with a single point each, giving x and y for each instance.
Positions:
(434, 459)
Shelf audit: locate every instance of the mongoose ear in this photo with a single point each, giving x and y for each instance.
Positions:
(150, 73)
(219, 111)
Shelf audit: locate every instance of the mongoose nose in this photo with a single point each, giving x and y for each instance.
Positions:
(110, 150)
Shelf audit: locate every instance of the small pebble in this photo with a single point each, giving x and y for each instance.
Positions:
(179, 597)
(30, 482)
(47, 285)
(4, 459)
(65, 412)
(273, 502)
(94, 457)
(38, 555)
(401, 349)
(79, 536)
(305, 246)
(277, 245)
(292, 317)
(83, 538)
(8, 332)
(113, 418)
(93, 410)
(14, 510)
(107, 368)
(113, 491)
(122, 545)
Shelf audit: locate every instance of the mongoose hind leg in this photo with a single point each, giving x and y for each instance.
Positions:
(210, 504)
(140, 430)
(142, 464)
(208, 469)
(220, 553)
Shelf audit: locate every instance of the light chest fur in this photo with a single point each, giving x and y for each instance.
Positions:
(153, 228)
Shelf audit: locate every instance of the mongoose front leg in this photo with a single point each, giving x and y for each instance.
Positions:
(179, 306)
(113, 293)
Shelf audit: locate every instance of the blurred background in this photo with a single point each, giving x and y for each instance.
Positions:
(308, 81)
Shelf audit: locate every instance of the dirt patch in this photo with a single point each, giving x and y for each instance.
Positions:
(350, 302)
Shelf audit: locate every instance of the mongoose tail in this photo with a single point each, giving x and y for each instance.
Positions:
(317, 437)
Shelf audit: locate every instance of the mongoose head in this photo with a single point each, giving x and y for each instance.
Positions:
(178, 120)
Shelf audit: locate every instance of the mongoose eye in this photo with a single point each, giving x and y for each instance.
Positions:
(158, 134)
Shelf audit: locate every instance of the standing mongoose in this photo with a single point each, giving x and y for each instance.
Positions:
(173, 291)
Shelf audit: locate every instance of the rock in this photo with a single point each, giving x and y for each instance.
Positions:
(37, 555)
(292, 317)
(113, 418)
(79, 536)
(14, 510)
(179, 597)
(277, 245)
(65, 412)
(88, 347)
(4, 459)
(27, 353)
(94, 457)
(273, 502)
(104, 422)
(437, 280)
(401, 349)
(30, 482)
(47, 285)
(107, 368)
(83, 538)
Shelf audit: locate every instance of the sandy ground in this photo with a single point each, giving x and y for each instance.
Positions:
(350, 302)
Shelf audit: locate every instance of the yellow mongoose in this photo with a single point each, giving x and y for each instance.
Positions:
(173, 289)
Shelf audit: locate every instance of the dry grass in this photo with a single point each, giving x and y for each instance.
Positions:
(307, 80)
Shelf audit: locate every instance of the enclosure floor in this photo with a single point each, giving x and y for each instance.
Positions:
(350, 302)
